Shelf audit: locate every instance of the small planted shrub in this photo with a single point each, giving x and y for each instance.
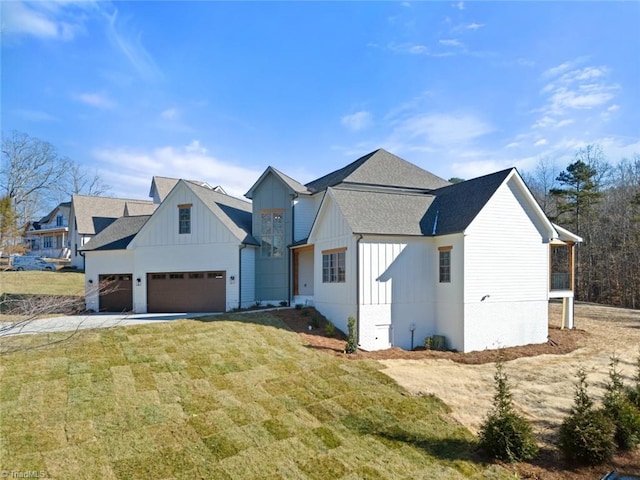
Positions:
(315, 321)
(306, 312)
(587, 434)
(284, 303)
(330, 329)
(617, 406)
(435, 342)
(299, 306)
(505, 434)
(352, 341)
(633, 393)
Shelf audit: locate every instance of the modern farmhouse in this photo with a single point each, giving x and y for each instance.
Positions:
(401, 250)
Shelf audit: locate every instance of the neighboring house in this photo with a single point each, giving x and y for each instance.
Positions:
(161, 186)
(404, 252)
(194, 253)
(48, 236)
(89, 215)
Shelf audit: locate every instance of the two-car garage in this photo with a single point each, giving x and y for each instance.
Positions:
(167, 292)
(186, 292)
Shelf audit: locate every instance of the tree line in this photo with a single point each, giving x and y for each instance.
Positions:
(600, 202)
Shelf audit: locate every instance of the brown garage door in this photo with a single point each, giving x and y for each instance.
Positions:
(116, 293)
(186, 292)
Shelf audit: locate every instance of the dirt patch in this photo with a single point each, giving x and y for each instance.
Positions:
(542, 376)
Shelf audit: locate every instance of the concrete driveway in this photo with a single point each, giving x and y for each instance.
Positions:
(97, 320)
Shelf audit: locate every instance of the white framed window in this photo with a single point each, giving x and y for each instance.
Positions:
(47, 241)
(333, 266)
(444, 264)
(272, 233)
(184, 219)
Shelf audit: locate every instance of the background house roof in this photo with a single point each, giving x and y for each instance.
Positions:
(63, 208)
(92, 214)
(137, 208)
(380, 168)
(117, 235)
(163, 185)
(382, 212)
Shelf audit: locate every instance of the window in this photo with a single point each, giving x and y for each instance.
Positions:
(47, 242)
(445, 264)
(333, 266)
(59, 221)
(272, 237)
(184, 218)
(58, 241)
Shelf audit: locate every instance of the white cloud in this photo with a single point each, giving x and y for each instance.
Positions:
(357, 121)
(451, 43)
(541, 142)
(129, 170)
(443, 129)
(459, 5)
(129, 43)
(169, 114)
(410, 48)
(613, 108)
(45, 20)
(98, 100)
(572, 87)
(469, 26)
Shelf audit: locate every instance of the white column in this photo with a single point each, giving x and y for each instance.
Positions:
(569, 313)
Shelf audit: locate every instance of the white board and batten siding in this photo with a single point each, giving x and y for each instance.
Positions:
(104, 263)
(448, 303)
(304, 211)
(336, 301)
(160, 248)
(395, 292)
(506, 274)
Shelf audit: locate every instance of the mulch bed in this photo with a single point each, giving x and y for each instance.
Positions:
(560, 342)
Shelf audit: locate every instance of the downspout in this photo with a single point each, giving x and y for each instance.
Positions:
(293, 239)
(242, 247)
(358, 289)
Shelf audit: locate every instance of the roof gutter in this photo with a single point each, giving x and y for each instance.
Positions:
(358, 289)
(242, 247)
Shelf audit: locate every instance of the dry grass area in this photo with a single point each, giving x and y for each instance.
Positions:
(543, 386)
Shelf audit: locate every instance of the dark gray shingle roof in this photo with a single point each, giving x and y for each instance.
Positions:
(383, 213)
(117, 235)
(457, 205)
(380, 168)
(234, 213)
(443, 211)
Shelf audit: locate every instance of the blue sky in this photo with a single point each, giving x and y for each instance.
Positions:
(217, 91)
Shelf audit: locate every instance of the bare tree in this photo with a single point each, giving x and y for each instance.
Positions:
(30, 172)
(80, 180)
(541, 182)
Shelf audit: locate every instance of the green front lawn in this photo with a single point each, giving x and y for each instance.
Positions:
(235, 398)
(44, 283)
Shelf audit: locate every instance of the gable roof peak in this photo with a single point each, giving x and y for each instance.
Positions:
(292, 184)
(380, 168)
